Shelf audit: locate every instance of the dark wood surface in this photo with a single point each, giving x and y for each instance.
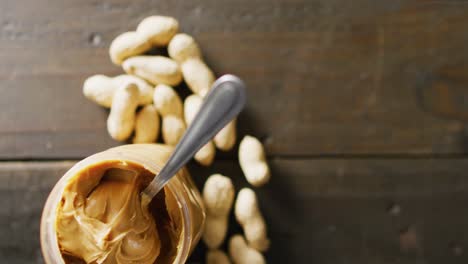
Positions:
(362, 107)
(325, 77)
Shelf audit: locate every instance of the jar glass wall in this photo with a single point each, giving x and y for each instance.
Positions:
(181, 190)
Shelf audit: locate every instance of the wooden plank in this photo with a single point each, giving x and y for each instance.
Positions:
(325, 77)
(23, 190)
(318, 211)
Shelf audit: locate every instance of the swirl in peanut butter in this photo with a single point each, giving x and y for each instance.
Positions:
(101, 218)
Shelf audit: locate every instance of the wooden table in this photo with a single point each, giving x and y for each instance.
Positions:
(361, 105)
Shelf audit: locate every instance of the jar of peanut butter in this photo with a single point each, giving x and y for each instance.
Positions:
(95, 214)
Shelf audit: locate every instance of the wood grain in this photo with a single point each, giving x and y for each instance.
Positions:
(324, 77)
(333, 85)
(321, 211)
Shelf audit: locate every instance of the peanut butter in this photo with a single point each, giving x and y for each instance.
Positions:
(101, 218)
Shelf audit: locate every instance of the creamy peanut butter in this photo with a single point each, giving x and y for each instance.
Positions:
(101, 218)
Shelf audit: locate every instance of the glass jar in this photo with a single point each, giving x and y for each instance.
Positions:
(151, 157)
